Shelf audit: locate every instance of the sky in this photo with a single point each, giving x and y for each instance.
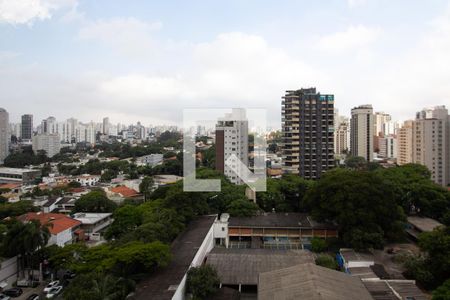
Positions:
(148, 60)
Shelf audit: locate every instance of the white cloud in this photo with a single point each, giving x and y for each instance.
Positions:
(234, 69)
(27, 11)
(353, 38)
(129, 36)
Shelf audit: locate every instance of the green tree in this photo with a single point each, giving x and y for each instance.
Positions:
(95, 201)
(242, 208)
(74, 184)
(146, 187)
(126, 219)
(202, 282)
(356, 162)
(318, 244)
(361, 203)
(98, 286)
(326, 261)
(443, 291)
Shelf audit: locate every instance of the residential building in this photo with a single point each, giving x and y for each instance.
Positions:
(27, 127)
(388, 147)
(232, 145)
(342, 138)
(361, 132)
(86, 179)
(49, 126)
(150, 160)
(308, 129)
(93, 223)
(24, 176)
(50, 143)
(105, 126)
(405, 143)
(381, 124)
(4, 135)
(63, 229)
(431, 143)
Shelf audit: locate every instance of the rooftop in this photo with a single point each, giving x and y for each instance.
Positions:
(292, 220)
(59, 222)
(183, 250)
(124, 191)
(17, 171)
(312, 282)
(90, 218)
(423, 224)
(352, 255)
(387, 289)
(242, 266)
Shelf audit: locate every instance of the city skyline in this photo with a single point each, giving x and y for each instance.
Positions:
(140, 60)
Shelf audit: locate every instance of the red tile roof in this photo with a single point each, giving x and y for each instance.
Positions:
(10, 185)
(124, 191)
(60, 222)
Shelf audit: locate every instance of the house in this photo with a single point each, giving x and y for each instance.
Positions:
(120, 193)
(86, 179)
(63, 229)
(93, 223)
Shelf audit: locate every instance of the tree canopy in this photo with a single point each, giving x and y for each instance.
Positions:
(95, 201)
(361, 203)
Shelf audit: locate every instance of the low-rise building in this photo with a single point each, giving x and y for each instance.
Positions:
(17, 175)
(416, 225)
(161, 180)
(277, 231)
(63, 229)
(86, 179)
(93, 223)
(120, 193)
(150, 160)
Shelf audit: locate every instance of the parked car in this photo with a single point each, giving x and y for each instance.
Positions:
(51, 285)
(33, 297)
(4, 297)
(14, 292)
(54, 291)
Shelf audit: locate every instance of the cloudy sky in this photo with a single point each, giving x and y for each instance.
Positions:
(147, 60)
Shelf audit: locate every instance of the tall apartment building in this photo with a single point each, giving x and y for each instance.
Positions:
(361, 132)
(232, 138)
(50, 143)
(342, 137)
(405, 143)
(49, 125)
(27, 127)
(308, 132)
(380, 119)
(4, 134)
(431, 143)
(105, 126)
(388, 146)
